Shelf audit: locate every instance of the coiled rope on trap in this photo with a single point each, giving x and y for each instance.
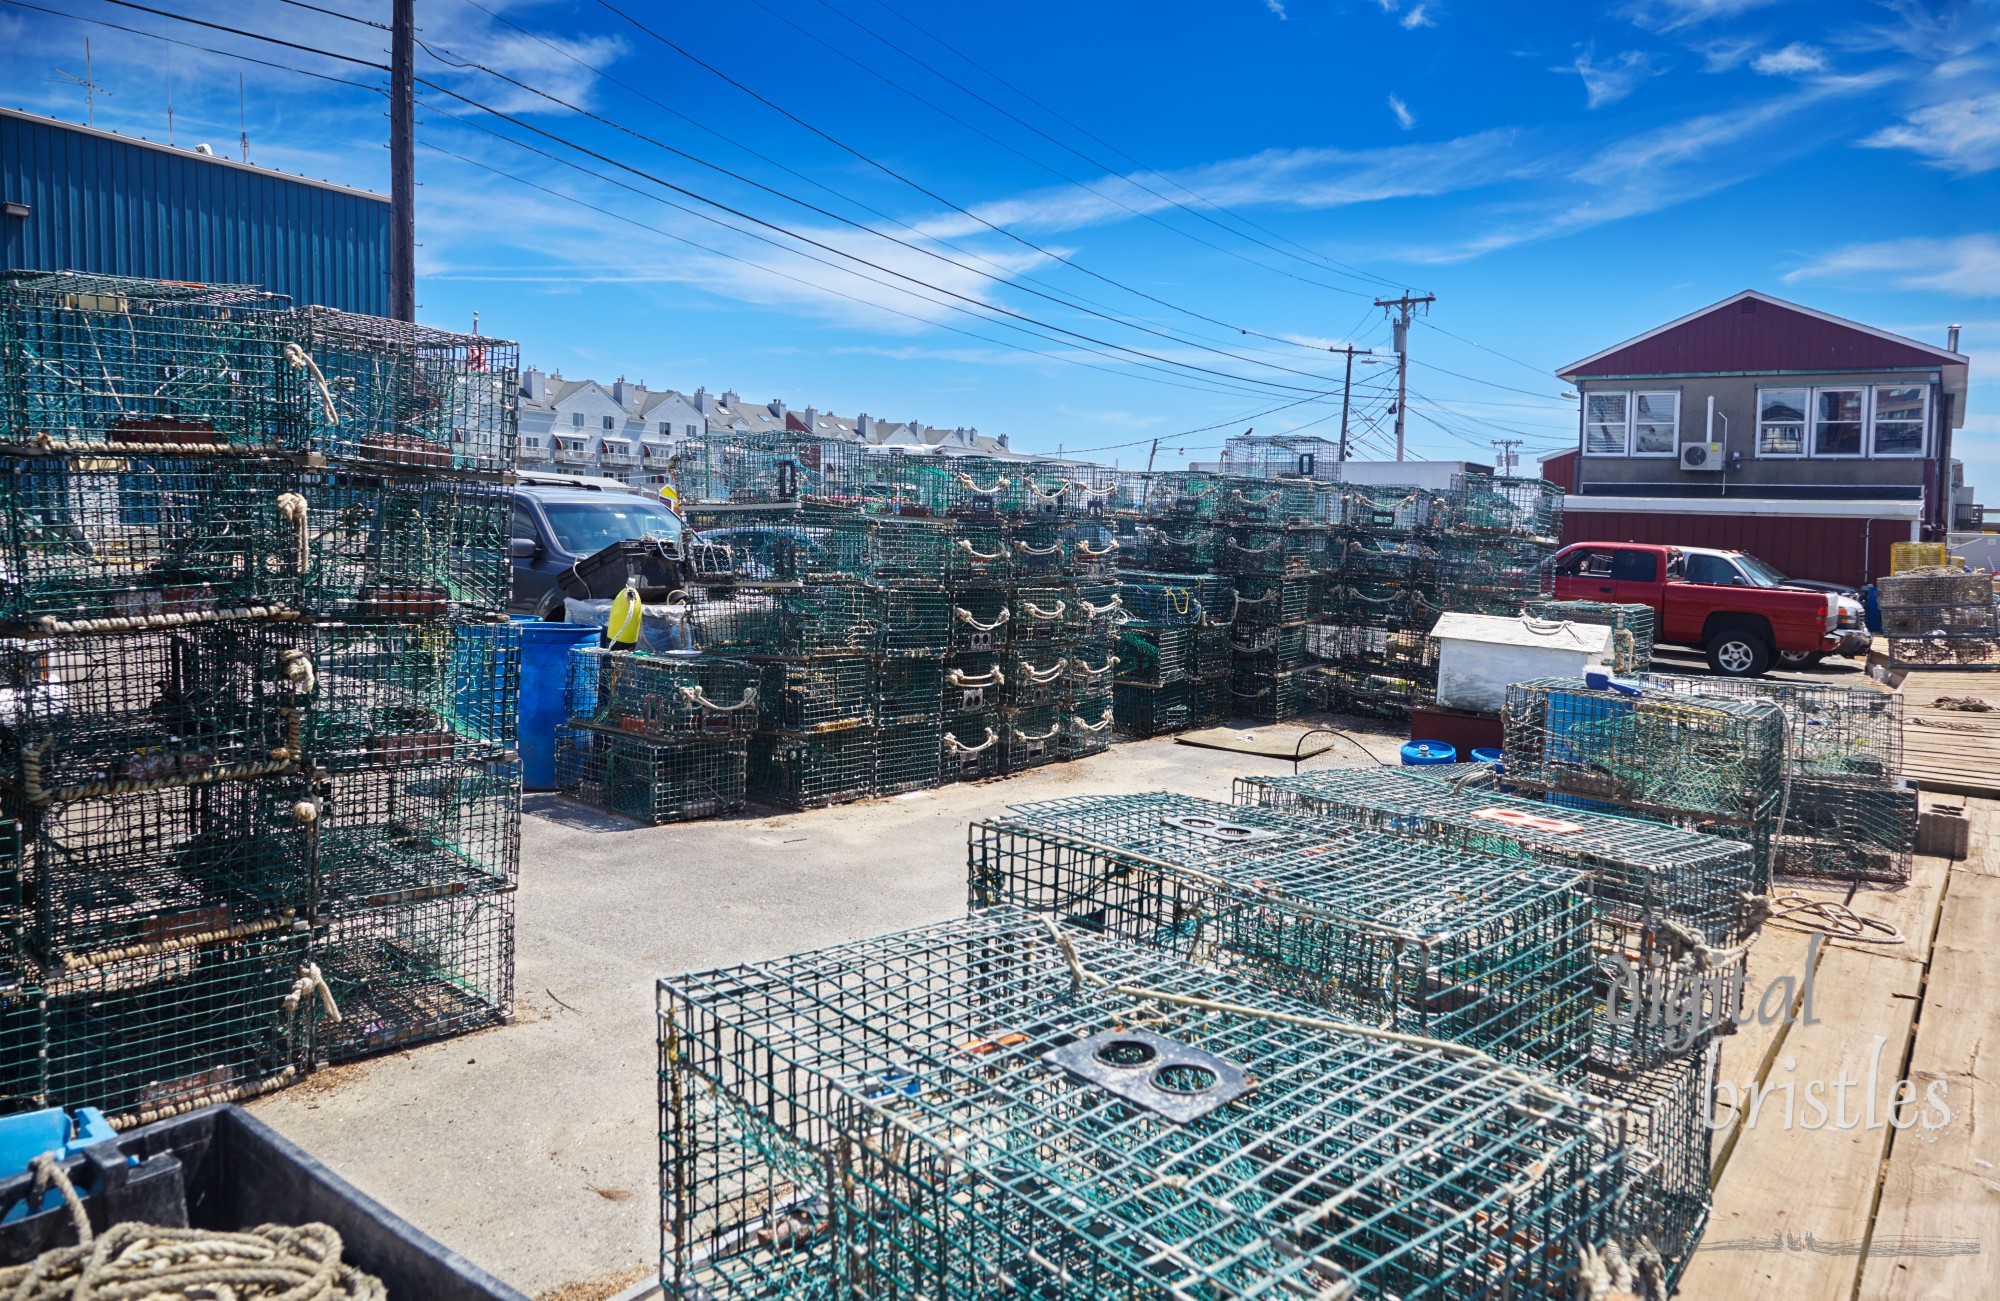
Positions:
(148, 1262)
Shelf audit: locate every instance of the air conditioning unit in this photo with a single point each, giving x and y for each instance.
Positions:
(1701, 456)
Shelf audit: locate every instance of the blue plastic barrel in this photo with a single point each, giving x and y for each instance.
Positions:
(544, 676)
(1417, 754)
(1486, 754)
(1872, 605)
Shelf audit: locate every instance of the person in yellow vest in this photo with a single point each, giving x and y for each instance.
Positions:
(621, 632)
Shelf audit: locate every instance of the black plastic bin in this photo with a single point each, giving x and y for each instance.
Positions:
(222, 1168)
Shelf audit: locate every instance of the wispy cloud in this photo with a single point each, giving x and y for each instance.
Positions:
(1610, 80)
(1967, 266)
(1277, 7)
(1404, 118)
(1793, 60)
(1417, 17)
(1960, 135)
(1672, 15)
(1725, 53)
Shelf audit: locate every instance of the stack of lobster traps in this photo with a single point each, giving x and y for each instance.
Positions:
(257, 690)
(1937, 617)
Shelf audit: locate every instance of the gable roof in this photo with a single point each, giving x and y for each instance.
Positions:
(1752, 332)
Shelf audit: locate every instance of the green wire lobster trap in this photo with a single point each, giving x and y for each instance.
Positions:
(971, 744)
(172, 865)
(13, 918)
(1172, 598)
(1172, 546)
(982, 618)
(656, 781)
(1269, 599)
(1442, 941)
(1671, 909)
(95, 543)
(1259, 648)
(663, 697)
(1041, 612)
(1484, 504)
(1035, 675)
(812, 770)
(1659, 750)
(1664, 1113)
(112, 363)
(1086, 727)
(916, 619)
(1631, 629)
(1142, 709)
(413, 972)
(1395, 511)
(153, 1035)
(988, 1106)
(1030, 737)
(384, 694)
(24, 1048)
(830, 619)
(1831, 731)
(825, 694)
(112, 711)
(908, 691)
(380, 392)
(401, 835)
(908, 757)
(1269, 697)
(395, 549)
(1153, 654)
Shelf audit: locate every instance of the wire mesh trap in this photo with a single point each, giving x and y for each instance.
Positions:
(908, 757)
(1631, 629)
(961, 1112)
(97, 361)
(1269, 697)
(830, 619)
(150, 536)
(1671, 909)
(1142, 710)
(381, 547)
(399, 835)
(1446, 942)
(662, 697)
(388, 694)
(826, 694)
(810, 770)
(163, 1032)
(1664, 1113)
(413, 972)
(657, 781)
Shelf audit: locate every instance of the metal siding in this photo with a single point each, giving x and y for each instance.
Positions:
(120, 208)
(1852, 551)
(1729, 340)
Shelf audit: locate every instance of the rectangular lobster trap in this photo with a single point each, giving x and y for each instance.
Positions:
(829, 693)
(1030, 737)
(1269, 697)
(390, 836)
(1176, 546)
(1036, 675)
(1846, 828)
(1274, 499)
(916, 619)
(1831, 731)
(1513, 507)
(1631, 629)
(1212, 699)
(1449, 943)
(179, 1026)
(907, 550)
(163, 866)
(115, 363)
(1088, 671)
(989, 1106)
(1086, 727)
(972, 746)
(399, 549)
(1357, 646)
(908, 757)
(1258, 648)
(1037, 547)
(1966, 652)
(1378, 693)
(1171, 598)
(982, 618)
(1269, 599)
(908, 691)
(656, 781)
(974, 684)
(24, 1048)
(1395, 511)
(409, 973)
(154, 537)
(1094, 612)
(383, 694)
(980, 551)
(1659, 749)
(1671, 909)
(96, 713)
(1154, 654)
(813, 769)
(376, 391)
(1661, 1116)
(1145, 709)
(827, 619)
(1271, 549)
(1041, 611)
(1380, 559)
(1091, 548)
(1392, 607)
(663, 697)
(1212, 650)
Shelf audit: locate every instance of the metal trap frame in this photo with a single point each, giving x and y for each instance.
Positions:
(786, 622)
(410, 973)
(402, 549)
(983, 1105)
(908, 757)
(812, 770)
(393, 836)
(384, 694)
(652, 780)
(1663, 1113)
(1441, 941)
(1631, 629)
(663, 697)
(829, 693)
(1142, 709)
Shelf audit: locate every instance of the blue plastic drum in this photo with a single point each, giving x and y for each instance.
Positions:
(1486, 754)
(1417, 754)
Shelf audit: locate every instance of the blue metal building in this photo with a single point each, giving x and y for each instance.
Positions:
(77, 199)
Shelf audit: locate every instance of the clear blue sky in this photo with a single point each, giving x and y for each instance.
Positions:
(1156, 177)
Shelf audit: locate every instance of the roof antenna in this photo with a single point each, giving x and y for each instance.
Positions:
(90, 87)
(242, 118)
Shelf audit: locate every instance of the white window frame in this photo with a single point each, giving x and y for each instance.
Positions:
(1632, 423)
(1625, 448)
(576, 419)
(610, 423)
(1812, 424)
(1805, 423)
(1923, 424)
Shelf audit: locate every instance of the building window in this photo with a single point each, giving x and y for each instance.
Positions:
(576, 418)
(666, 430)
(1838, 417)
(608, 424)
(1656, 423)
(1898, 426)
(1781, 421)
(691, 431)
(1605, 423)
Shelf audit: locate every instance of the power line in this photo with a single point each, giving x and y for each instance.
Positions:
(335, 13)
(190, 45)
(255, 36)
(1474, 379)
(1542, 371)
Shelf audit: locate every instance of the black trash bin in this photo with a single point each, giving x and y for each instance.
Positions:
(221, 1168)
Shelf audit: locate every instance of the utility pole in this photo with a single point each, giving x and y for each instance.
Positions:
(1346, 386)
(1401, 324)
(402, 163)
(1506, 447)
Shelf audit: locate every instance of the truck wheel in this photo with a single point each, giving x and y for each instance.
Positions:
(1738, 653)
(1801, 659)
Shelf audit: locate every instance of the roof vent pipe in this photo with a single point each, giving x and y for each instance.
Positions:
(1951, 338)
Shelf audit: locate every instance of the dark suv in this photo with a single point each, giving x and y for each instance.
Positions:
(557, 522)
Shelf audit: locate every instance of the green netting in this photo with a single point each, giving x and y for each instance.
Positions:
(399, 549)
(144, 536)
(883, 1119)
(95, 360)
(400, 835)
(1671, 908)
(413, 972)
(656, 781)
(163, 1032)
(1660, 749)
(383, 392)
(1153, 654)
(1631, 625)
(662, 697)
(1439, 940)
(388, 694)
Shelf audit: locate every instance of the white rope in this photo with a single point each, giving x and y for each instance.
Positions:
(964, 616)
(952, 743)
(292, 509)
(1019, 735)
(1042, 676)
(1043, 613)
(1099, 611)
(990, 678)
(1026, 550)
(965, 545)
(1084, 549)
(699, 698)
(1098, 726)
(999, 485)
(311, 982)
(134, 623)
(298, 669)
(299, 359)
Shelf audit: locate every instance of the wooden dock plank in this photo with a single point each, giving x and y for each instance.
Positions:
(1787, 1195)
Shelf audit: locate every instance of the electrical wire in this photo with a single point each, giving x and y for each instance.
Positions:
(1474, 379)
(255, 36)
(1539, 370)
(190, 45)
(335, 13)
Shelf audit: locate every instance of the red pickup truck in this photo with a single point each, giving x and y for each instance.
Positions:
(1729, 603)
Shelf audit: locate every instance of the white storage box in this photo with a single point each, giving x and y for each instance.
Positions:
(1479, 655)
